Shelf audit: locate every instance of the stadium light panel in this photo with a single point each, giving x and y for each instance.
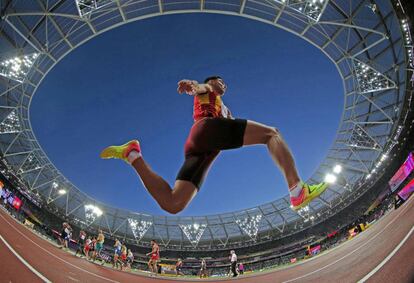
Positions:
(91, 213)
(31, 163)
(330, 178)
(62, 192)
(18, 67)
(139, 228)
(250, 225)
(11, 124)
(359, 138)
(98, 211)
(370, 80)
(87, 7)
(193, 232)
(313, 9)
(337, 169)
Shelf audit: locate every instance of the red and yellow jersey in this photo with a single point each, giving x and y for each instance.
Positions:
(209, 104)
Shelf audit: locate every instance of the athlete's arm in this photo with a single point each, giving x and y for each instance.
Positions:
(193, 87)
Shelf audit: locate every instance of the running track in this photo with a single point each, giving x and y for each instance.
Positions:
(383, 253)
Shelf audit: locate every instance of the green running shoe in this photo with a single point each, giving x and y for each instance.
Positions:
(308, 193)
(121, 151)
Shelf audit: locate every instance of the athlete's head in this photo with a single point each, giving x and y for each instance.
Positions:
(153, 242)
(217, 83)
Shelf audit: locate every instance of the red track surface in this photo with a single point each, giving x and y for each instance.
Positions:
(349, 262)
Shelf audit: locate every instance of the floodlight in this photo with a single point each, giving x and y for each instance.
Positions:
(313, 9)
(55, 185)
(91, 213)
(97, 211)
(18, 67)
(193, 232)
(139, 228)
(62, 192)
(369, 79)
(337, 169)
(86, 7)
(250, 225)
(11, 124)
(330, 178)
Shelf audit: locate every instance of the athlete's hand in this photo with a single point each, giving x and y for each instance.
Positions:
(187, 86)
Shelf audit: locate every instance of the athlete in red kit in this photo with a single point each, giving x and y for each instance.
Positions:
(154, 257)
(214, 130)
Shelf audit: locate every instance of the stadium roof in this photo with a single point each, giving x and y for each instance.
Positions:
(368, 41)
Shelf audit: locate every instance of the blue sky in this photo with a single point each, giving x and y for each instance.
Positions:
(122, 85)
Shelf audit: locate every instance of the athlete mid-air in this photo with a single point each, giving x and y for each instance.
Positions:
(214, 129)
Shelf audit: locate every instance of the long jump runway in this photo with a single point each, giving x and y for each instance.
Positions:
(383, 253)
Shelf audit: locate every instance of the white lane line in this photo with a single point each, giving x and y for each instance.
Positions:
(40, 275)
(339, 259)
(73, 279)
(388, 257)
(77, 267)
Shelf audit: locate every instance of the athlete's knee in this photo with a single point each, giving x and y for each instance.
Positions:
(271, 132)
(174, 207)
(274, 132)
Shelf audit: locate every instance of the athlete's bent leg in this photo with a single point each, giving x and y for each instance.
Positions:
(189, 179)
(172, 200)
(257, 133)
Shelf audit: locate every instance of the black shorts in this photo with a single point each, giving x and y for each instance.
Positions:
(207, 138)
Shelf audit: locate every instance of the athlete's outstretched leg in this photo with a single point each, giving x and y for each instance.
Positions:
(257, 133)
(172, 200)
(301, 194)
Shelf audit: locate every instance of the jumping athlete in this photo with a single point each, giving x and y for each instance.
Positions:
(214, 129)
